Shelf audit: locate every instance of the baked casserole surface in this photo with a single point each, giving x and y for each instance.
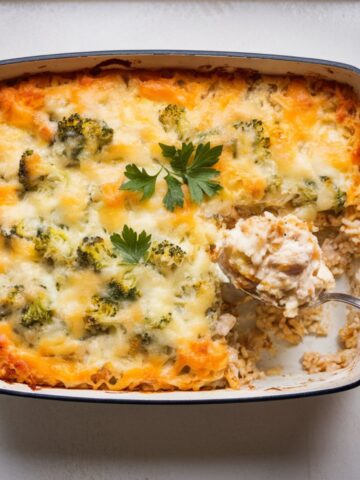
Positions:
(114, 189)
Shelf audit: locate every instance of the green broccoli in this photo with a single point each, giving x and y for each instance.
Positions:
(27, 174)
(253, 130)
(274, 185)
(191, 287)
(145, 339)
(99, 317)
(97, 134)
(52, 244)
(207, 135)
(307, 193)
(116, 291)
(36, 313)
(173, 118)
(166, 255)
(339, 196)
(139, 343)
(11, 300)
(105, 306)
(22, 229)
(254, 127)
(23, 173)
(93, 253)
(95, 327)
(159, 323)
(340, 200)
(77, 134)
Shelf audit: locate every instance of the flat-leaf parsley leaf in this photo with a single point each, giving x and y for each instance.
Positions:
(139, 181)
(179, 157)
(174, 196)
(132, 247)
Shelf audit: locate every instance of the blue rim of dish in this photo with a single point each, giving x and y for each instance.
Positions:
(204, 53)
(214, 401)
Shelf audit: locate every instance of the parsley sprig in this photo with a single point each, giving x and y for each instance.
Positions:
(199, 174)
(139, 181)
(132, 247)
(189, 166)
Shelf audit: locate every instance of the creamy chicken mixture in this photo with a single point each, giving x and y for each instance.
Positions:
(276, 258)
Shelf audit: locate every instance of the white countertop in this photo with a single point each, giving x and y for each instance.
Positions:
(305, 439)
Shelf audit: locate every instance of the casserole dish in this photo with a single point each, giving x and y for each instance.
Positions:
(291, 381)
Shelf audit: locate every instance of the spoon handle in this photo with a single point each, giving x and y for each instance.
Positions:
(340, 297)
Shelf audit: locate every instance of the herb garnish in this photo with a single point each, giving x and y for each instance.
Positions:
(132, 247)
(139, 181)
(189, 166)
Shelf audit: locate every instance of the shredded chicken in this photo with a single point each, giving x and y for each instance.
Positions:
(276, 258)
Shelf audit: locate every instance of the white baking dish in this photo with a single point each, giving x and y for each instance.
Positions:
(293, 382)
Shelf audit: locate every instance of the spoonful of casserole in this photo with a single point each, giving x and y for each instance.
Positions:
(278, 261)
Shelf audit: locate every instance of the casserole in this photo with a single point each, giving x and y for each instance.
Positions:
(292, 381)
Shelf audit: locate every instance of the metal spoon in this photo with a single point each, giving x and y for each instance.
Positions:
(235, 293)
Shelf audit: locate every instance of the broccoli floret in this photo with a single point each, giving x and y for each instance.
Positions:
(340, 200)
(27, 174)
(94, 327)
(307, 193)
(36, 313)
(77, 133)
(99, 318)
(274, 185)
(145, 339)
(104, 307)
(52, 244)
(191, 287)
(139, 343)
(159, 323)
(23, 173)
(339, 196)
(11, 300)
(173, 118)
(253, 130)
(257, 128)
(97, 134)
(117, 291)
(166, 255)
(206, 136)
(92, 253)
(23, 230)
(70, 132)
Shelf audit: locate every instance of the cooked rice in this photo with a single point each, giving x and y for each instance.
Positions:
(314, 362)
(349, 335)
(291, 330)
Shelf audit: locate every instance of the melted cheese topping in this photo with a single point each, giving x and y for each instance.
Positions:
(288, 143)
